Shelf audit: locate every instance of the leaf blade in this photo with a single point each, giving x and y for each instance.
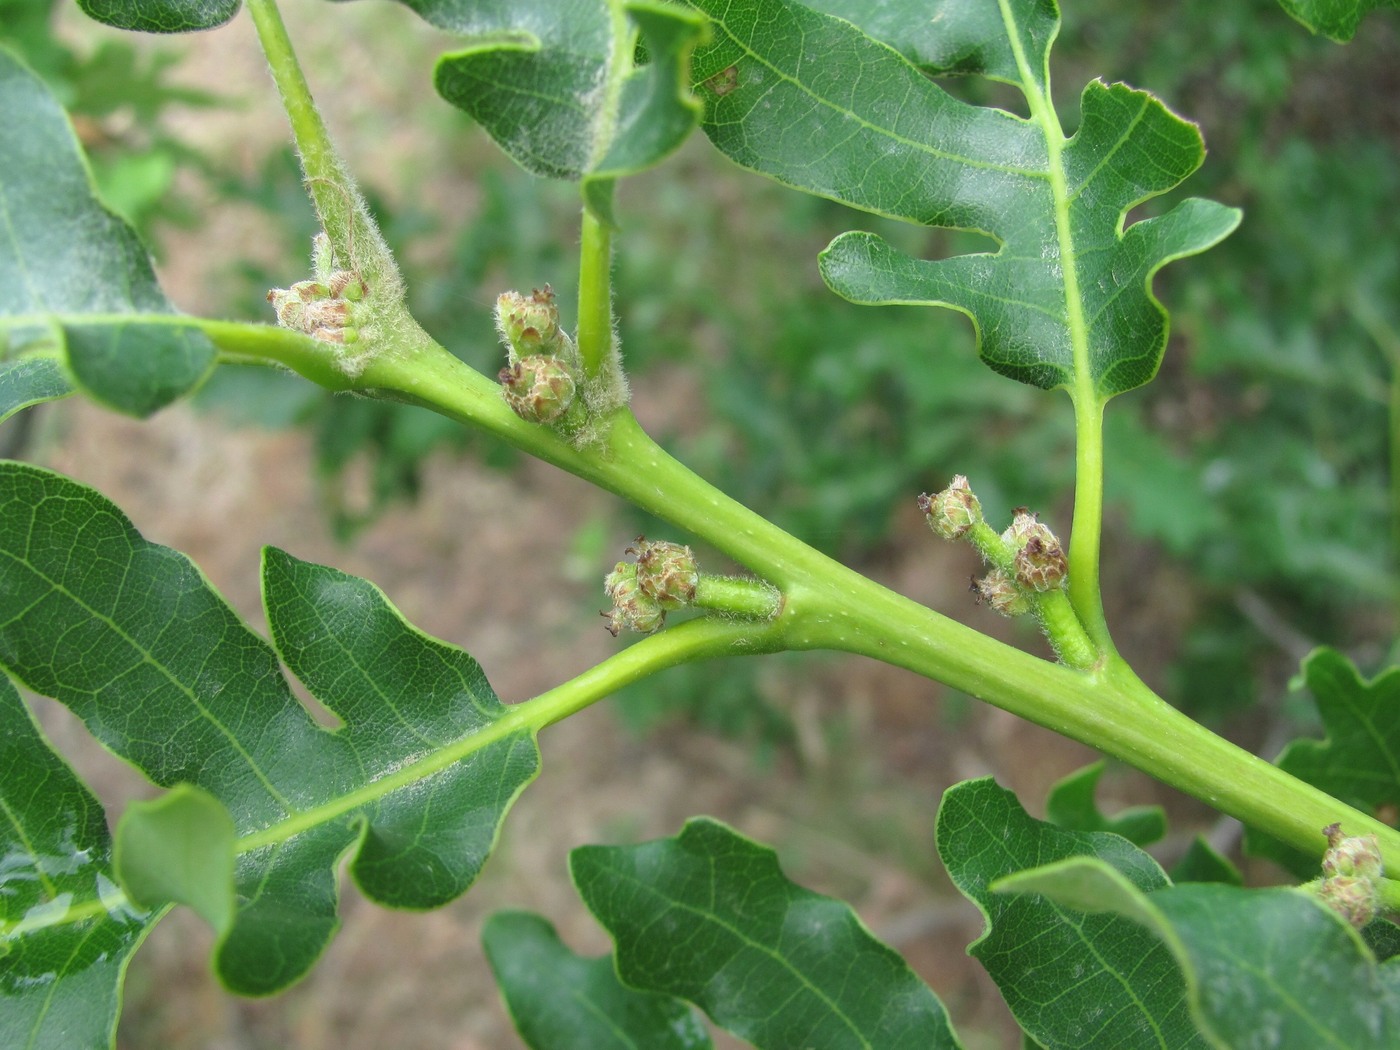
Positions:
(1069, 981)
(61, 963)
(1268, 967)
(771, 962)
(138, 645)
(68, 263)
(890, 141)
(560, 1001)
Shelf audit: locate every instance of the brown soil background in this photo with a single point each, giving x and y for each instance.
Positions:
(850, 809)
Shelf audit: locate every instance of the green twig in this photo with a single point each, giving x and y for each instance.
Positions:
(595, 324)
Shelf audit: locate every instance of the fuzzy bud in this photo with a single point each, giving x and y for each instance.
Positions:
(1040, 562)
(953, 511)
(632, 607)
(1354, 899)
(530, 324)
(538, 388)
(667, 572)
(1359, 855)
(999, 590)
(1351, 868)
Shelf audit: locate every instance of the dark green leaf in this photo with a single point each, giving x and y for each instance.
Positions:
(1071, 980)
(66, 931)
(1201, 863)
(708, 916)
(1359, 761)
(133, 639)
(72, 274)
(555, 86)
(1067, 298)
(1070, 805)
(1264, 968)
(966, 37)
(30, 381)
(162, 16)
(1334, 18)
(560, 1001)
(1383, 938)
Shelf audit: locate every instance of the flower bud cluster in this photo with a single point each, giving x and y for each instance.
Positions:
(664, 576)
(539, 381)
(1027, 558)
(322, 309)
(1351, 868)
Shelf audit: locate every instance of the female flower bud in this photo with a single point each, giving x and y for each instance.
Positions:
(1040, 564)
(1039, 560)
(953, 511)
(632, 607)
(999, 591)
(1351, 868)
(530, 324)
(1359, 855)
(538, 388)
(666, 572)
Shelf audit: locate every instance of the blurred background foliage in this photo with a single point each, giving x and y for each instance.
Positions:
(1255, 471)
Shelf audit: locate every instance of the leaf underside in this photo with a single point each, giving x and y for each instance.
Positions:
(813, 102)
(536, 76)
(161, 16)
(132, 638)
(76, 284)
(709, 917)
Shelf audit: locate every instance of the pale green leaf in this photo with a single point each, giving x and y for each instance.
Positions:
(1337, 19)
(134, 641)
(75, 277)
(1265, 969)
(560, 1001)
(708, 916)
(178, 849)
(29, 381)
(1066, 299)
(1071, 980)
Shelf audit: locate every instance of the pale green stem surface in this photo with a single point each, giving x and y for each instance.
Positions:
(750, 599)
(595, 330)
(1083, 552)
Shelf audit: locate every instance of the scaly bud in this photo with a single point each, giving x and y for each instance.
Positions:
(530, 324)
(1359, 855)
(666, 572)
(538, 388)
(999, 591)
(953, 511)
(1351, 868)
(632, 607)
(1040, 562)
